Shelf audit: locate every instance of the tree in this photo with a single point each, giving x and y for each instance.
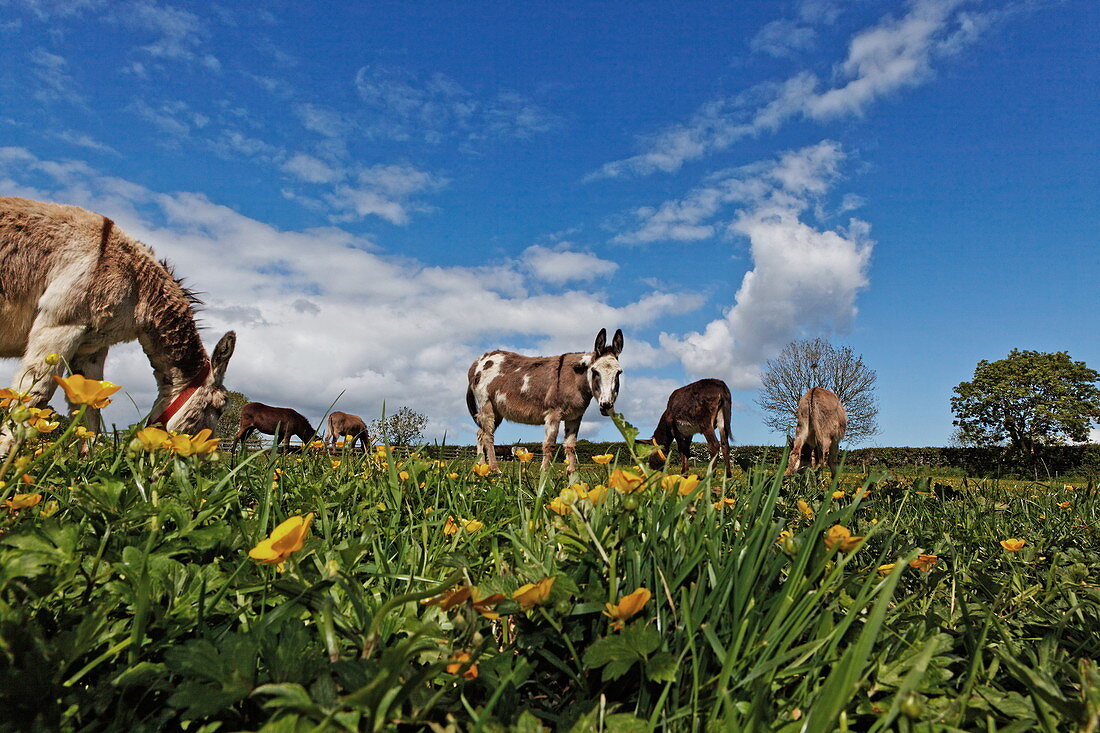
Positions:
(1028, 399)
(817, 363)
(230, 422)
(404, 427)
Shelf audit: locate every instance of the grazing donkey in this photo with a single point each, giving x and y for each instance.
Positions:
(282, 422)
(699, 407)
(821, 425)
(74, 284)
(542, 390)
(342, 424)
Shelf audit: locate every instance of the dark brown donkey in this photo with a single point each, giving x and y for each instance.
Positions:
(699, 407)
(282, 422)
(822, 421)
(341, 424)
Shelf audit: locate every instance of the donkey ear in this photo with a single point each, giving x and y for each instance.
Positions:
(601, 341)
(617, 342)
(220, 358)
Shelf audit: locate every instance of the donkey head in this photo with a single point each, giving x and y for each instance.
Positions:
(603, 370)
(204, 407)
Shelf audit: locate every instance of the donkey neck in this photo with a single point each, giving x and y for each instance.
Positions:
(170, 338)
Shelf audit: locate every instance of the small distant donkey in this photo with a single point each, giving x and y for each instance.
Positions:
(74, 284)
(542, 390)
(282, 422)
(822, 421)
(699, 407)
(342, 424)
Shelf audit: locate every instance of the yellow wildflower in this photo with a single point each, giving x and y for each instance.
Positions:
(403, 475)
(1064, 504)
(688, 484)
(452, 476)
(886, 569)
(458, 661)
(838, 494)
(533, 594)
(92, 392)
(838, 534)
(924, 563)
(485, 605)
(190, 445)
(470, 525)
(597, 495)
(625, 482)
(22, 501)
(152, 439)
(724, 502)
(1013, 544)
(558, 506)
(523, 454)
(482, 469)
(627, 606)
(285, 540)
(806, 510)
(83, 432)
(603, 459)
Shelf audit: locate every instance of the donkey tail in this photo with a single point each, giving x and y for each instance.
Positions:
(471, 403)
(727, 413)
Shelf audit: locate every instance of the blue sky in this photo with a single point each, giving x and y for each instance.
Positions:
(373, 194)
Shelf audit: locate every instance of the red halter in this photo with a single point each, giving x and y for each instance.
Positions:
(181, 399)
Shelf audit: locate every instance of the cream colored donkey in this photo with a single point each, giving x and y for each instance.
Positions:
(74, 284)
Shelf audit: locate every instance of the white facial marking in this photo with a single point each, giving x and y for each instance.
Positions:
(603, 378)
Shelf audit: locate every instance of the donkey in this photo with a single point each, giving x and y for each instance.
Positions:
(699, 407)
(282, 422)
(822, 421)
(343, 424)
(74, 284)
(542, 390)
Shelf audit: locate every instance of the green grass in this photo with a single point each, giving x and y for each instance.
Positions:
(128, 600)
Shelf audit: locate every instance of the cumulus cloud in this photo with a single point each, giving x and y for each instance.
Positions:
(384, 191)
(559, 265)
(803, 279)
(322, 311)
(895, 53)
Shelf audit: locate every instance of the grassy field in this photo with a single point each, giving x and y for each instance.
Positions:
(422, 593)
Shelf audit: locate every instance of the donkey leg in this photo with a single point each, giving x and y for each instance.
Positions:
(91, 366)
(572, 427)
(552, 424)
(683, 445)
(712, 446)
(794, 461)
(487, 424)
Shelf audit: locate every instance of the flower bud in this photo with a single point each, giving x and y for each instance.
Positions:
(53, 359)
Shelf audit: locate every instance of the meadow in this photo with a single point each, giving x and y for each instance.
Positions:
(158, 584)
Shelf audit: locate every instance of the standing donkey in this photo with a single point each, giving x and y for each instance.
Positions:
(282, 422)
(342, 424)
(74, 284)
(822, 421)
(699, 407)
(542, 390)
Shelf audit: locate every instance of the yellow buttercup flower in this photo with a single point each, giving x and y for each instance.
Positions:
(724, 502)
(806, 510)
(22, 501)
(470, 525)
(558, 506)
(152, 439)
(285, 540)
(886, 569)
(688, 484)
(190, 445)
(597, 495)
(533, 594)
(1064, 504)
(625, 482)
(838, 494)
(838, 534)
(523, 454)
(317, 444)
(83, 432)
(627, 606)
(458, 661)
(449, 599)
(452, 476)
(485, 605)
(1013, 544)
(482, 469)
(603, 459)
(8, 396)
(92, 392)
(924, 563)
(403, 475)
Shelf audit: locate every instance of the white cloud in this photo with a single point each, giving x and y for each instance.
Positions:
(384, 191)
(889, 56)
(781, 38)
(311, 169)
(85, 141)
(180, 34)
(55, 83)
(559, 265)
(432, 107)
(803, 279)
(321, 311)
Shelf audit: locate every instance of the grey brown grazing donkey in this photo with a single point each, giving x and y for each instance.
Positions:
(542, 390)
(74, 284)
(822, 421)
(341, 424)
(282, 422)
(700, 407)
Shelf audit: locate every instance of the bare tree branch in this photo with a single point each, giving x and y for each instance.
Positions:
(817, 363)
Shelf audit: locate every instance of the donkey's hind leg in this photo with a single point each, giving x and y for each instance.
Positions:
(572, 427)
(552, 424)
(487, 422)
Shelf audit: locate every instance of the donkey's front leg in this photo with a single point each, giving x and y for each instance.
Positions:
(572, 427)
(552, 423)
(91, 367)
(487, 424)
